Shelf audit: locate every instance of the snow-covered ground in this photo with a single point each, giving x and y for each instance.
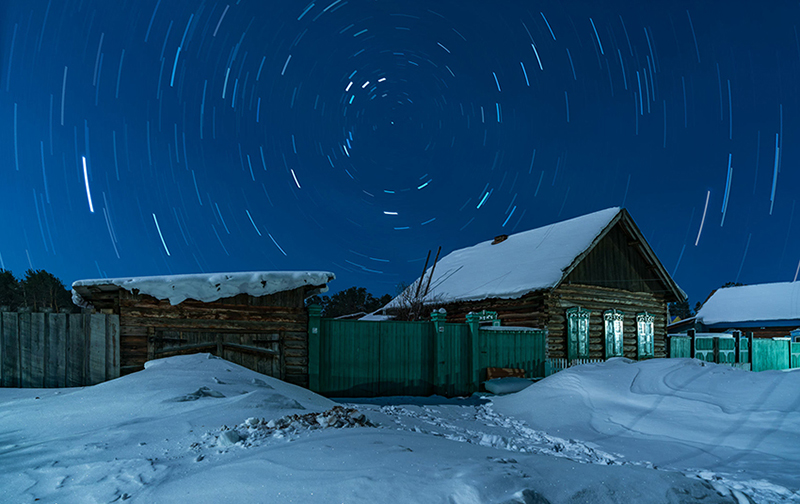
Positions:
(200, 429)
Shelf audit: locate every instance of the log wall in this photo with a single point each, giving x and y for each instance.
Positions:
(598, 300)
(141, 316)
(526, 311)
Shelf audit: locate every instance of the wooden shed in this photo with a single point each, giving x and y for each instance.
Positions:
(255, 319)
(769, 310)
(592, 282)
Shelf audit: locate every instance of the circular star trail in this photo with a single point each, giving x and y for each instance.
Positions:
(157, 137)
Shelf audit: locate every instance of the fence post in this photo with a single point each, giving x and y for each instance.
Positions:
(438, 318)
(750, 348)
(691, 333)
(314, 313)
(473, 320)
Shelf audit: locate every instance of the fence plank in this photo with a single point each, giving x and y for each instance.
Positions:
(11, 350)
(57, 350)
(76, 351)
(770, 354)
(97, 349)
(37, 335)
(112, 346)
(24, 320)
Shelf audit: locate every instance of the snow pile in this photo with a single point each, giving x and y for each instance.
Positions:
(525, 262)
(210, 287)
(679, 414)
(153, 436)
(750, 303)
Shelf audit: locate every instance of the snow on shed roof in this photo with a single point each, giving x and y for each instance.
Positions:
(208, 287)
(750, 303)
(524, 262)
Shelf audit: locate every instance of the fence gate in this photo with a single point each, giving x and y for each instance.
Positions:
(704, 349)
(261, 352)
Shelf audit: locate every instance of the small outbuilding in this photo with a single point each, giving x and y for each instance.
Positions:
(255, 319)
(593, 282)
(769, 310)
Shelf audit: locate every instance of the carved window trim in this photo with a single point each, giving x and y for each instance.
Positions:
(577, 332)
(644, 333)
(613, 321)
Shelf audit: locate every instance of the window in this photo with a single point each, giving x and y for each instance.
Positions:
(577, 333)
(644, 330)
(613, 323)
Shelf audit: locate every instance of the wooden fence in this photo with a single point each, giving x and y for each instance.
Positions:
(742, 351)
(351, 358)
(57, 349)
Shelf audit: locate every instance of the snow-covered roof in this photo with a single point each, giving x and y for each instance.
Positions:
(751, 303)
(524, 262)
(208, 287)
(375, 317)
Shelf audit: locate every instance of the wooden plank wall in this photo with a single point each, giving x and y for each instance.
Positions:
(282, 313)
(45, 350)
(598, 300)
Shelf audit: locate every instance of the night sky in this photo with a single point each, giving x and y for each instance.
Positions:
(355, 135)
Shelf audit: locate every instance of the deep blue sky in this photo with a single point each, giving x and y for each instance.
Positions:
(234, 126)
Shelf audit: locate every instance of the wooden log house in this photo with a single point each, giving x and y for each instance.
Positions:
(255, 319)
(769, 310)
(592, 282)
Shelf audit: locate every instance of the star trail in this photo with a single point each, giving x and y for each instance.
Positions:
(353, 136)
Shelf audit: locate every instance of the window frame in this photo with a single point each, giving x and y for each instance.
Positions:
(645, 335)
(577, 325)
(613, 322)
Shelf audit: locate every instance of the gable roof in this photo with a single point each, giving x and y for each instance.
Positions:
(533, 260)
(751, 303)
(205, 287)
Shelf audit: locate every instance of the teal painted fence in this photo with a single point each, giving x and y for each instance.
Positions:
(39, 350)
(771, 354)
(680, 347)
(509, 348)
(746, 352)
(351, 358)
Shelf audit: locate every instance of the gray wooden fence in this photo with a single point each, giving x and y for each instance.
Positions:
(39, 350)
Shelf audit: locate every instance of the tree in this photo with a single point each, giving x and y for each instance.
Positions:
(10, 293)
(349, 301)
(680, 309)
(41, 289)
(411, 305)
(731, 284)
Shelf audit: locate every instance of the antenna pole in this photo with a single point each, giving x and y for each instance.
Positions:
(433, 268)
(422, 278)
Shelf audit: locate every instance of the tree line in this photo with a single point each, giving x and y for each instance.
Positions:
(37, 291)
(352, 301)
